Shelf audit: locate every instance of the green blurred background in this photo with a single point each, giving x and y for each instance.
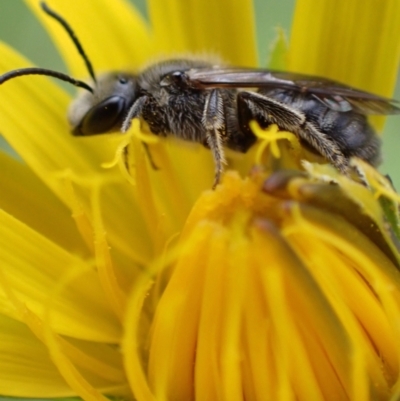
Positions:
(22, 31)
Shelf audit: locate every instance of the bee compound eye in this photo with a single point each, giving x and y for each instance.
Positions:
(104, 117)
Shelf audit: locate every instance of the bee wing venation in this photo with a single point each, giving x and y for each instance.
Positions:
(375, 106)
(333, 94)
(234, 77)
(337, 103)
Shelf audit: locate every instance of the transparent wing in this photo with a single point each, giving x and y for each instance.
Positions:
(333, 94)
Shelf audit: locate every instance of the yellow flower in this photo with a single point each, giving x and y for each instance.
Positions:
(282, 284)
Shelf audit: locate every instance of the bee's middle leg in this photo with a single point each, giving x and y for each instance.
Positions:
(213, 121)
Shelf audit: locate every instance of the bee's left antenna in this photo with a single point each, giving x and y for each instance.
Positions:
(55, 74)
(42, 71)
(72, 35)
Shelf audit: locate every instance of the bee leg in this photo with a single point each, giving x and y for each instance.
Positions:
(150, 157)
(213, 121)
(360, 175)
(125, 156)
(135, 111)
(322, 144)
(269, 111)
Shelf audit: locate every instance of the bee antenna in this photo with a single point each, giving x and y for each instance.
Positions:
(42, 71)
(73, 37)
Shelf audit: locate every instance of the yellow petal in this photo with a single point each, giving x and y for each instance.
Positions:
(113, 34)
(265, 297)
(223, 28)
(22, 192)
(32, 265)
(355, 42)
(81, 366)
(25, 367)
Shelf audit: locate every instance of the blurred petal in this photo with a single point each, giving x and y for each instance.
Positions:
(224, 28)
(25, 367)
(39, 265)
(113, 34)
(355, 42)
(22, 192)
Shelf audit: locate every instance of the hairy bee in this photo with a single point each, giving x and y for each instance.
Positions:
(197, 101)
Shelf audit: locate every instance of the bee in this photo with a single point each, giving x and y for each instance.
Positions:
(213, 105)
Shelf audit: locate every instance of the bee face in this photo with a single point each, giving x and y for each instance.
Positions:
(103, 110)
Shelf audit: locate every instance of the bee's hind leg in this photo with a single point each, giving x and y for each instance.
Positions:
(269, 111)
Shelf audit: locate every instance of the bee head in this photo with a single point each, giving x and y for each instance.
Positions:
(105, 108)
(102, 106)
